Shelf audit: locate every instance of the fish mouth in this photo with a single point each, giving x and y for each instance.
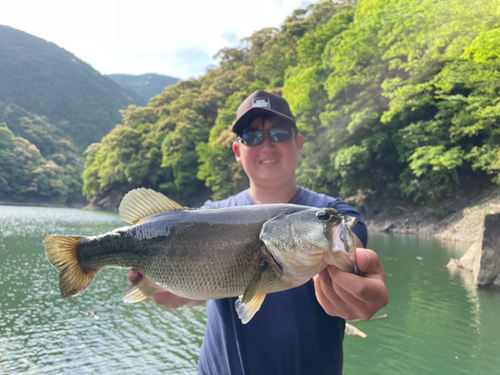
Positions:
(336, 255)
(273, 259)
(336, 243)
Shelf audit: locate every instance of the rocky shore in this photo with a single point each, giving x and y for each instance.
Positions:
(457, 218)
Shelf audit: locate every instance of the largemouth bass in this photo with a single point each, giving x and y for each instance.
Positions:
(247, 251)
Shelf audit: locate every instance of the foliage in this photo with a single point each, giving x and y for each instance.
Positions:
(391, 95)
(192, 119)
(155, 146)
(26, 175)
(404, 87)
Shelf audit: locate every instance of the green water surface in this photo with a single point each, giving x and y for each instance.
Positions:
(438, 322)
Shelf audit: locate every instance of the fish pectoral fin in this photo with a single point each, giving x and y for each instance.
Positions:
(251, 300)
(246, 311)
(141, 203)
(139, 291)
(255, 283)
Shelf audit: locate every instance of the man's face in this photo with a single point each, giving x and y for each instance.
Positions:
(269, 163)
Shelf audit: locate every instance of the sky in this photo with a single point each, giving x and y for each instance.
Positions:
(175, 38)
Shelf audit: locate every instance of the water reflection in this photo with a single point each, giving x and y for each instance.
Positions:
(436, 321)
(40, 333)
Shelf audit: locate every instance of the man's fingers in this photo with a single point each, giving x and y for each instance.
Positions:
(334, 300)
(320, 287)
(351, 305)
(350, 296)
(134, 277)
(365, 289)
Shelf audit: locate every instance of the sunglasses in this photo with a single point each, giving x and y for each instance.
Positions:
(255, 137)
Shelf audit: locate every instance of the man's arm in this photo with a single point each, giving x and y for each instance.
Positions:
(165, 299)
(350, 296)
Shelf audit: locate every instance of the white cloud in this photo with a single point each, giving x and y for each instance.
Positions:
(167, 37)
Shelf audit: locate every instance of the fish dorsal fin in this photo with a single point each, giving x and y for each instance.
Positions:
(140, 203)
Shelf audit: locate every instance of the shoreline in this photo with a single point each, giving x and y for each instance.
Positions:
(458, 218)
(42, 204)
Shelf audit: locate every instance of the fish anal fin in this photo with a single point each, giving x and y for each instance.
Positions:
(140, 291)
(140, 203)
(246, 311)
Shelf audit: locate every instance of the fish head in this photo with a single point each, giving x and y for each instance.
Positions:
(304, 242)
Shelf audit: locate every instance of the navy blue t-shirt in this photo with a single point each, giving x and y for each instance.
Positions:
(290, 334)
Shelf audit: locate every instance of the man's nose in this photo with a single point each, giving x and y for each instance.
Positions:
(267, 140)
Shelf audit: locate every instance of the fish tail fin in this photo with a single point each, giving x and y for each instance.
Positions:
(62, 253)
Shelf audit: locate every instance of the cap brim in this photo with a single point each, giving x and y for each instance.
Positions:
(246, 119)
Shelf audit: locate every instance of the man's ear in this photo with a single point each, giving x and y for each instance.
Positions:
(300, 143)
(236, 149)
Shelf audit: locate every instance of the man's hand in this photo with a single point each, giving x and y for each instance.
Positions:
(350, 296)
(165, 299)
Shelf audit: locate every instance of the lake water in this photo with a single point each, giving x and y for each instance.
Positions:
(438, 323)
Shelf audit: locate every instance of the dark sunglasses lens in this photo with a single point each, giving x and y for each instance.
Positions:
(252, 137)
(280, 135)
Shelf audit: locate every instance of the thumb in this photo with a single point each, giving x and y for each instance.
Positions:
(369, 262)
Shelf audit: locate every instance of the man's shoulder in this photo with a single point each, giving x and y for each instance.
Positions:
(308, 197)
(240, 199)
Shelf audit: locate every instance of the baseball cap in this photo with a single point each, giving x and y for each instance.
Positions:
(262, 103)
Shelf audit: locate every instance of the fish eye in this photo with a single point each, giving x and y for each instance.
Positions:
(323, 215)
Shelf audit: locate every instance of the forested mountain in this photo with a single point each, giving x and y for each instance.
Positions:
(38, 163)
(52, 106)
(392, 96)
(49, 81)
(146, 85)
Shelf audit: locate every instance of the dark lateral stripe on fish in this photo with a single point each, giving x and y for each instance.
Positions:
(62, 253)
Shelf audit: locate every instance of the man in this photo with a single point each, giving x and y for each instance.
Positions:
(298, 331)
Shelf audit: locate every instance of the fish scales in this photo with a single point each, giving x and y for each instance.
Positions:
(194, 254)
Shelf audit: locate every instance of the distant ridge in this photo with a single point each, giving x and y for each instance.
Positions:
(47, 80)
(146, 85)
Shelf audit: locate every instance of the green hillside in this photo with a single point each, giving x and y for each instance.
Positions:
(146, 85)
(52, 107)
(398, 97)
(49, 81)
(37, 161)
